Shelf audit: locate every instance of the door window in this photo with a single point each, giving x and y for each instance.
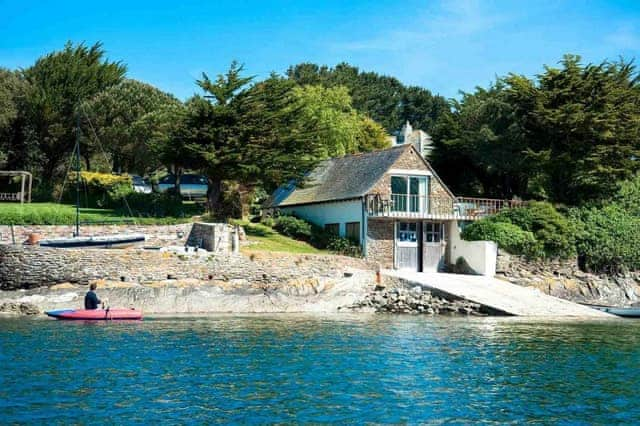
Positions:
(433, 232)
(407, 232)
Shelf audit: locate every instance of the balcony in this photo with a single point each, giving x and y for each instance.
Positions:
(440, 208)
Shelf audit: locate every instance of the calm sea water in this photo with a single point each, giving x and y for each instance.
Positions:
(347, 369)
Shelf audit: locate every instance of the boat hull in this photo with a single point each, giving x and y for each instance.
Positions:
(96, 314)
(118, 241)
(632, 312)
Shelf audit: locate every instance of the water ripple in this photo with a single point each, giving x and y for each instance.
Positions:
(347, 369)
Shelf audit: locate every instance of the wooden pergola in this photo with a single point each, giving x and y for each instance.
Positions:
(25, 177)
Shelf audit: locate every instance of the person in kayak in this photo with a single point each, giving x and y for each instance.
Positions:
(91, 300)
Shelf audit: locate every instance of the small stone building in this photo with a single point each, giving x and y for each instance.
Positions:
(393, 204)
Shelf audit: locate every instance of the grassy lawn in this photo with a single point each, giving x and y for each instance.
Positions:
(264, 238)
(64, 214)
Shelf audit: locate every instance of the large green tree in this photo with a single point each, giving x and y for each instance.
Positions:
(326, 116)
(167, 133)
(114, 114)
(583, 126)
(12, 96)
(480, 146)
(272, 131)
(385, 99)
(58, 83)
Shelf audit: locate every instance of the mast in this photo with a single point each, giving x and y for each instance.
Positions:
(77, 155)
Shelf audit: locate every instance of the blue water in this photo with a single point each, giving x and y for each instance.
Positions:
(347, 369)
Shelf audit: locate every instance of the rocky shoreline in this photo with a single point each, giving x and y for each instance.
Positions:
(564, 279)
(397, 297)
(176, 283)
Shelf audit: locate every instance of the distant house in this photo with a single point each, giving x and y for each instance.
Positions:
(395, 206)
(418, 138)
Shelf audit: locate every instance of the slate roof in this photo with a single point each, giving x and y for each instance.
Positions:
(340, 178)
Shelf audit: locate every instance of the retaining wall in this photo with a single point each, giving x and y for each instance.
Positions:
(157, 235)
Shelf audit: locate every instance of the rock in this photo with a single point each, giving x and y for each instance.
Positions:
(20, 308)
(29, 309)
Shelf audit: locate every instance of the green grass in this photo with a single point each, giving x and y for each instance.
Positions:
(264, 238)
(64, 214)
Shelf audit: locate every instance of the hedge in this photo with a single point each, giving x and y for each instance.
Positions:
(508, 236)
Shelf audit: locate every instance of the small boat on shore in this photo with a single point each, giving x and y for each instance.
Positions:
(97, 241)
(628, 312)
(96, 314)
(104, 241)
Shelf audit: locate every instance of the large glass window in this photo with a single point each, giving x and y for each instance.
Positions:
(399, 187)
(409, 194)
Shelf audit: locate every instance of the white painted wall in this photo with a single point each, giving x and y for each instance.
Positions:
(335, 212)
(481, 256)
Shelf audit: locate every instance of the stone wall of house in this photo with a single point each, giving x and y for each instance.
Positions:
(409, 160)
(380, 240)
(564, 279)
(157, 235)
(441, 200)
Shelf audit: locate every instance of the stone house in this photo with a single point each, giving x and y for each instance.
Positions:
(393, 204)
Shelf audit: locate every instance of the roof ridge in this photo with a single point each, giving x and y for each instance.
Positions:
(375, 151)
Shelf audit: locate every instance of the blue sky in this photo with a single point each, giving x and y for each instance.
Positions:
(444, 46)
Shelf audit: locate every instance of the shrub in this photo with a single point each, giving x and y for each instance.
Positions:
(154, 205)
(552, 230)
(628, 196)
(102, 190)
(293, 227)
(607, 238)
(508, 236)
(268, 221)
(343, 246)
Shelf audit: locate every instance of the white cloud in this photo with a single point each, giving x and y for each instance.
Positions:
(625, 37)
(448, 19)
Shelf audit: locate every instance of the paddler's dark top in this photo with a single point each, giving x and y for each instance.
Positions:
(91, 301)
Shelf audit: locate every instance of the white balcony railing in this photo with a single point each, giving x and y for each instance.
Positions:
(422, 206)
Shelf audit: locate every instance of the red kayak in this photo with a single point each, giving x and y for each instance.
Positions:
(96, 314)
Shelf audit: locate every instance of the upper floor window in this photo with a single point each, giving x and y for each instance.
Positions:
(409, 193)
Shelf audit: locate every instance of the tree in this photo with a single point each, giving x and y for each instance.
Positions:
(271, 132)
(225, 87)
(583, 126)
(58, 83)
(484, 136)
(114, 115)
(12, 92)
(167, 134)
(384, 99)
(326, 116)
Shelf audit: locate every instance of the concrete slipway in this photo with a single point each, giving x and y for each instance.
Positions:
(497, 294)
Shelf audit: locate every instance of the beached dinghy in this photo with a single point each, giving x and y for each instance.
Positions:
(626, 312)
(96, 314)
(104, 241)
(77, 241)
